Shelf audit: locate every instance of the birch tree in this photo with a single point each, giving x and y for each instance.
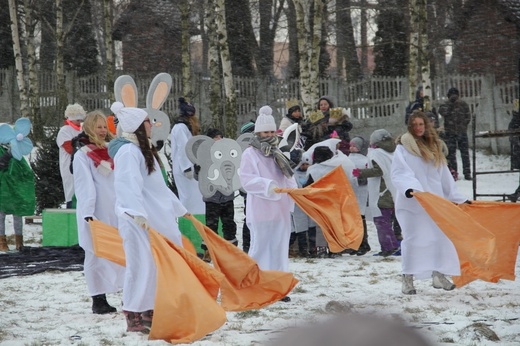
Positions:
(309, 24)
(109, 47)
(20, 76)
(419, 65)
(227, 73)
(214, 67)
(346, 54)
(185, 44)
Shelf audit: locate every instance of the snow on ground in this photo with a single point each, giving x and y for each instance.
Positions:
(54, 308)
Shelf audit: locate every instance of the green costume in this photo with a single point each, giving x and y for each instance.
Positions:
(17, 187)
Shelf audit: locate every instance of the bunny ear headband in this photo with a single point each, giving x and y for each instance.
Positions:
(17, 137)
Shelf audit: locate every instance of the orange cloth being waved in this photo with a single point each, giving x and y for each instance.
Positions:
(331, 202)
(245, 286)
(186, 308)
(486, 236)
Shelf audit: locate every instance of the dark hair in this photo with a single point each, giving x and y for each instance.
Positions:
(321, 154)
(149, 153)
(212, 133)
(453, 91)
(186, 109)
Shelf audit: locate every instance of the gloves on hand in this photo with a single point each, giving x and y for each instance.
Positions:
(88, 219)
(141, 222)
(272, 189)
(408, 193)
(356, 172)
(188, 173)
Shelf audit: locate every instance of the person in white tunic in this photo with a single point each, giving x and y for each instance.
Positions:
(186, 126)
(142, 200)
(419, 164)
(94, 186)
(74, 114)
(263, 169)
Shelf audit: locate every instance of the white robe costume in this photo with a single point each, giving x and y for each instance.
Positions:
(140, 194)
(96, 199)
(425, 247)
(189, 193)
(65, 134)
(383, 159)
(268, 213)
(361, 191)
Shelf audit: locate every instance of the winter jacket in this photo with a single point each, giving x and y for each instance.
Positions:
(456, 115)
(514, 124)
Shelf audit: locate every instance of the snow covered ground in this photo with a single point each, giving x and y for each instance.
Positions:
(54, 308)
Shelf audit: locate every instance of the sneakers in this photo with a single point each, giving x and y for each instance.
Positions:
(134, 322)
(147, 317)
(407, 287)
(100, 305)
(440, 281)
(286, 299)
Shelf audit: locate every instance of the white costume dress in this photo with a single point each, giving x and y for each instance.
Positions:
(383, 159)
(425, 247)
(361, 191)
(65, 134)
(268, 214)
(189, 193)
(96, 199)
(140, 194)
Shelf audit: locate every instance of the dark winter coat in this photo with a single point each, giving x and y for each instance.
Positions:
(456, 115)
(514, 124)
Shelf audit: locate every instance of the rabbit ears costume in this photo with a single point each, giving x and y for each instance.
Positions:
(125, 91)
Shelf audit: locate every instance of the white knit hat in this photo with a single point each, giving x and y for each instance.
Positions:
(265, 120)
(129, 117)
(75, 112)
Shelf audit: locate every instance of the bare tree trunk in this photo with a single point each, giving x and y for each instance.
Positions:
(20, 76)
(419, 68)
(309, 36)
(109, 49)
(229, 86)
(214, 68)
(364, 38)
(346, 54)
(414, 49)
(61, 91)
(185, 44)
(34, 86)
(424, 51)
(204, 33)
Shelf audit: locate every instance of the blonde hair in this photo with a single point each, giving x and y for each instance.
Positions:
(89, 127)
(430, 145)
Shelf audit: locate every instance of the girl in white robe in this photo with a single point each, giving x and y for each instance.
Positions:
(94, 182)
(142, 200)
(263, 169)
(419, 164)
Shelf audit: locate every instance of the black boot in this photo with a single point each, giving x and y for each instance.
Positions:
(515, 195)
(303, 247)
(100, 305)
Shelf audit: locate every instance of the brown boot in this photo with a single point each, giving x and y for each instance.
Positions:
(19, 242)
(134, 322)
(3, 243)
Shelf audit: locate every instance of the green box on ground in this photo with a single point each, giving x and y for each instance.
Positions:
(187, 229)
(59, 227)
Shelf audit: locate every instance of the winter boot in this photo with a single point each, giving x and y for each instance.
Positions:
(321, 252)
(514, 196)
(147, 317)
(440, 281)
(3, 243)
(19, 242)
(134, 322)
(407, 287)
(100, 305)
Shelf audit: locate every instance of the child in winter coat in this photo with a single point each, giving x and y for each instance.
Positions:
(263, 169)
(381, 189)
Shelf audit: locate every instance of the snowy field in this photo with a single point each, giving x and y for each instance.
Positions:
(54, 308)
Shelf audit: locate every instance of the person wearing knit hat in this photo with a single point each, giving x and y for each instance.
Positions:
(358, 152)
(457, 116)
(381, 191)
(263, 169)
(74, 115)
(185, 126)
(142, 200)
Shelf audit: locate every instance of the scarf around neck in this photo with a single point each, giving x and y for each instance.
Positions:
(102, 161)
(268, 146)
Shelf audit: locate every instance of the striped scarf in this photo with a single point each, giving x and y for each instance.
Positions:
(268, 146)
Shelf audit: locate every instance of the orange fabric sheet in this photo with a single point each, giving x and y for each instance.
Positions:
(245, 286)
(332, 203)
(185, 300)
(486, 236)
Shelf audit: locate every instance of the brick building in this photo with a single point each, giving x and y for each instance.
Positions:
(488, 39)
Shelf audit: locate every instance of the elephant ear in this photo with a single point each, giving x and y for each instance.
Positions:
(192, 148)
(244, 139)
(125, 91)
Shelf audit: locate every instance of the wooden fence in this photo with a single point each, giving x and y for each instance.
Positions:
(377, 102)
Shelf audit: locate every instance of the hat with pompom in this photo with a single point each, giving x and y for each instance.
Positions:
(186, 109)
(265, 120)
(130, 118)
(75, 112)
(379, 136)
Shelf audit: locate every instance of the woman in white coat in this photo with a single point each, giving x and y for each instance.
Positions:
(142, 200)
(94, 182)
(262, 169)
(419, 164)
(185, 127)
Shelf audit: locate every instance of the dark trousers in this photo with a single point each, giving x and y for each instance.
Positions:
(460, 141)
(226, 213)
(246, 233)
